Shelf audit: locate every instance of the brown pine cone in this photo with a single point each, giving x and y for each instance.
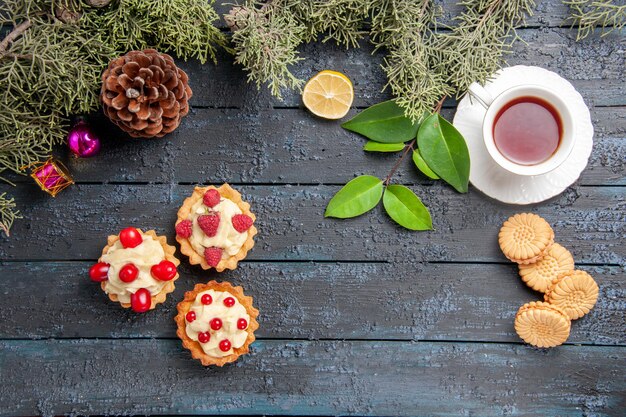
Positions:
(145, 94)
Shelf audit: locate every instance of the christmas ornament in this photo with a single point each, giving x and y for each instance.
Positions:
(145, 94)
(82, 140)
(51, 176)
(51, 70)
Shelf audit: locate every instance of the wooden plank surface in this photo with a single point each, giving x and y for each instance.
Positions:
(305, 300)
(289, 146)
(588, 220)
(358, 317)
(312, 378)
(594, 66)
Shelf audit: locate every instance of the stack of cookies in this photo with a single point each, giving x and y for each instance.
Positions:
(547, 267)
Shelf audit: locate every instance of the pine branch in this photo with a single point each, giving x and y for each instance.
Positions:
(8, 213)
(485, 32)
(589, 14)
(405, 29)
(52, 61)
(265, 40)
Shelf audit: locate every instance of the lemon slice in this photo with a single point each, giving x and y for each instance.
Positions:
(328, 94)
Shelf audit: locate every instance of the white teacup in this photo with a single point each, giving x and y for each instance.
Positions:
(494, 105)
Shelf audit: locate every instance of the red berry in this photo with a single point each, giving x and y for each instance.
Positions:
(163, 271)
(140, 301)
(204, 337)
(209, 223)
(190, 316)
(99, 272)
(206, 299)
(128, 273)
(216, 324)
(241, 222)
(242, 324)
(211, 198)
(229, 301)
(225, 345)
(130, 237)
(184, 228)
(213, 256)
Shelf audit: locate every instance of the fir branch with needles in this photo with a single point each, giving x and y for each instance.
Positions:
(53, 55)
(484, 32)
(422, 64)
(266, 37)
(8, 213)
(406, 29)
(589, 14)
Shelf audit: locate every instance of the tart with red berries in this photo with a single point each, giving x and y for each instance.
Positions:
(216, 322)
(136, 269)
(215, 227)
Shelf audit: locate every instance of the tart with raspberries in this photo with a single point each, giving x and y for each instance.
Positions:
(216, 322)
(136, 269)
(215, 227)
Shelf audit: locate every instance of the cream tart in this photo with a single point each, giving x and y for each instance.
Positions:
(215, 227)
(216, 322)
(136, 269)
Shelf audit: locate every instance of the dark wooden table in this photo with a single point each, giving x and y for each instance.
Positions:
(358, 316)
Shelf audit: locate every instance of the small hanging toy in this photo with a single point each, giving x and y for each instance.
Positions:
(51, 176)
(82, 140)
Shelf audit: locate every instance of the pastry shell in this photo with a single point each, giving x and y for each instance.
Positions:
(169, 255)
(186, 248)
(194, 346)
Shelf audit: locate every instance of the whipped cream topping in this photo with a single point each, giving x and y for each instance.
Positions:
(227, 238)
(144, 256)
(229, 317)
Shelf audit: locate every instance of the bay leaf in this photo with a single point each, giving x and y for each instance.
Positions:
(383, 122)
(355, 198)
(444, 150)
(372, 146)
(406, 209)
(423, 166)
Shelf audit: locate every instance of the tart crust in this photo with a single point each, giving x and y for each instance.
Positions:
(194, 346)
(169, 255)
(196, 258)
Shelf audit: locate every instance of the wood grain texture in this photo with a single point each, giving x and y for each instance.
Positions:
(288, 146)
(358, 317)
(588, 220)
(594, 66)
(312, 378)
(400, 301)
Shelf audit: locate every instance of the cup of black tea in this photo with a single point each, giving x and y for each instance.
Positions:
(527, 129)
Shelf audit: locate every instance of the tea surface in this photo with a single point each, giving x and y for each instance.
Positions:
(527, 130)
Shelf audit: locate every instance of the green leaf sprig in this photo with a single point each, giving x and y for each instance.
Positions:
(438, 151)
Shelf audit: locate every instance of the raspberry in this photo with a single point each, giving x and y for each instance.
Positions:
(209, 223)
(241, 222)
(211, 198)
(183, 229)
(213, 256)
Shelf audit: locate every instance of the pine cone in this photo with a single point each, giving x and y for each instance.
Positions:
(145, 94)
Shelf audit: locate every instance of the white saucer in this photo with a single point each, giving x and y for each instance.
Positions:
(498, 183)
